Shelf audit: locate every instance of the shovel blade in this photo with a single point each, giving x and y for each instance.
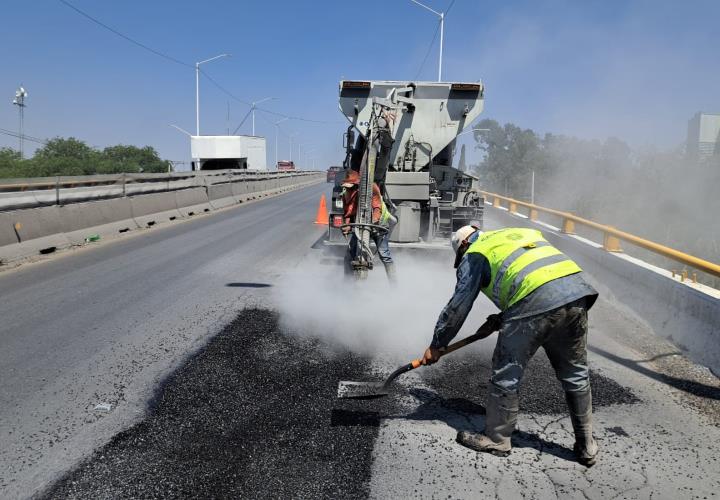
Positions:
(361, 390)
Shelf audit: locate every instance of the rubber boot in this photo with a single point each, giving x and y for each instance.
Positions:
(391, 273)
(580, 406)
(500, 419)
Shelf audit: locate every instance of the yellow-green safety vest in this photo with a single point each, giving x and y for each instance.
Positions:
(521, 260)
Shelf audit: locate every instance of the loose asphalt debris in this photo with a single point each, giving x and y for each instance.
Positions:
(252, 415)
(461, 383)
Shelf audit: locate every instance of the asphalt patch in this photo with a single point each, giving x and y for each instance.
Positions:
(461, 384)
(253, 415)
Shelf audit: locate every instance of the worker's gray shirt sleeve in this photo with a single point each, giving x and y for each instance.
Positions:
(470, 278)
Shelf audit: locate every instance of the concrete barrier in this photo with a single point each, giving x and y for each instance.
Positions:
(151, 209)
(39, 230)
(7, 231)
(686, 314)
(192, 201)
(28, 232)
(221, 196)
(104, 218)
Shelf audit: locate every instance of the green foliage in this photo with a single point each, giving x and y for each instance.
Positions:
(71, 156)
(664, 196)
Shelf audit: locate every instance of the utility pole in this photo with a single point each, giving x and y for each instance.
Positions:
(197, 89)
(254, 107)
(291, 138)
(19, 101)
(532, 188)
(277, 132)
(441, 15)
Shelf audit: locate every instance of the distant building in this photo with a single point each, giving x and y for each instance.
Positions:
(219, 152)
(703, 136)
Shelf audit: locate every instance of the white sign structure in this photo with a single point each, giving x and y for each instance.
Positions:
(212, 152)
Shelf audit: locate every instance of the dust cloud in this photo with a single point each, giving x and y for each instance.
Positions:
(372, 317)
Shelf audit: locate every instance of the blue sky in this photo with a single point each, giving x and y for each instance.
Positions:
(635, 70)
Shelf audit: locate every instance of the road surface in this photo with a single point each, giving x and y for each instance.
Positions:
(253, 413)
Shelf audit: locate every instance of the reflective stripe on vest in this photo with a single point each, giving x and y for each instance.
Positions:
(521, 260)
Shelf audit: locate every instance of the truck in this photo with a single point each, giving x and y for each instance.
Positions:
(285, 166)
(401, 135)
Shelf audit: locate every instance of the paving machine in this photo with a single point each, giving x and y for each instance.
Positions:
(402, 136)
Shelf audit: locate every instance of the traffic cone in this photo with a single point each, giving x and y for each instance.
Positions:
(322, 213)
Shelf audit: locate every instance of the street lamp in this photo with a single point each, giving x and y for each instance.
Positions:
(291, 138)
(254, 106)
(197, 89)
(19, 101)
(299, 149)
(307, 156)
(277, 131)
(441, 15)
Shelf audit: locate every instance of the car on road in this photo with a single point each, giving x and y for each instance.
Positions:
(332, 172)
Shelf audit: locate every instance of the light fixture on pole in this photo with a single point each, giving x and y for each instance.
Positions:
(441, 15)
(254, 107)
(277, 131)
(197, 89)
(299, 152)
(19, 101)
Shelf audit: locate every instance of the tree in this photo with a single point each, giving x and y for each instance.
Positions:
(123, 158)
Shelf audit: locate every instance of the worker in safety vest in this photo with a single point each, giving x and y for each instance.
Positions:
(381, 216)
(544, 301)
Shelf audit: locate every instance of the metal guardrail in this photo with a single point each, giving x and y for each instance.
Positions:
(33, 183)
(611, 235)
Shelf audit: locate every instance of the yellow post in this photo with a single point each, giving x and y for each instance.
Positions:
(496, 202)
(694, 276)
(611, 243)
(513, 207)
(568, 226)
(533, 214)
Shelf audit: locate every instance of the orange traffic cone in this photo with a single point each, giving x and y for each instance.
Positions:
(322, 213)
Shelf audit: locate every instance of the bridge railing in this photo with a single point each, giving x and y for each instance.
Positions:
(612, 236)
(43, 191)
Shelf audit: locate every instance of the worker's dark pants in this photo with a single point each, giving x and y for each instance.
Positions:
(561, 332)
(382, 242)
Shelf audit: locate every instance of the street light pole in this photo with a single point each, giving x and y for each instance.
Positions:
(197, 89)
(277, 132)
(441, 15)
(291, 138)
(254, 106)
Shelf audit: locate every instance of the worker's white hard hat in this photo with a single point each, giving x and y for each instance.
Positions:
(461, 235)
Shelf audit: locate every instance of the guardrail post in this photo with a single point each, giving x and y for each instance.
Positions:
(496, 202)
(513, 207)
(568, 226)
(611, 243)
(57, 190)
(123, 183)
(533, 214)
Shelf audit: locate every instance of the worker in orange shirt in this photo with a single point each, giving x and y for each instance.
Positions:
(381, 216)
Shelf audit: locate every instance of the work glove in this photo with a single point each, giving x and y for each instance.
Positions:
(491, 325)
(431, 356)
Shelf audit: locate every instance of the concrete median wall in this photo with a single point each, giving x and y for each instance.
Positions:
(221, 195)
(29, 232)
(103, 218)
(192, 201)
(151, 209)
(686, 314)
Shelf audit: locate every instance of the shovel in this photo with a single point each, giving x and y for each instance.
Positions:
(369, 390)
